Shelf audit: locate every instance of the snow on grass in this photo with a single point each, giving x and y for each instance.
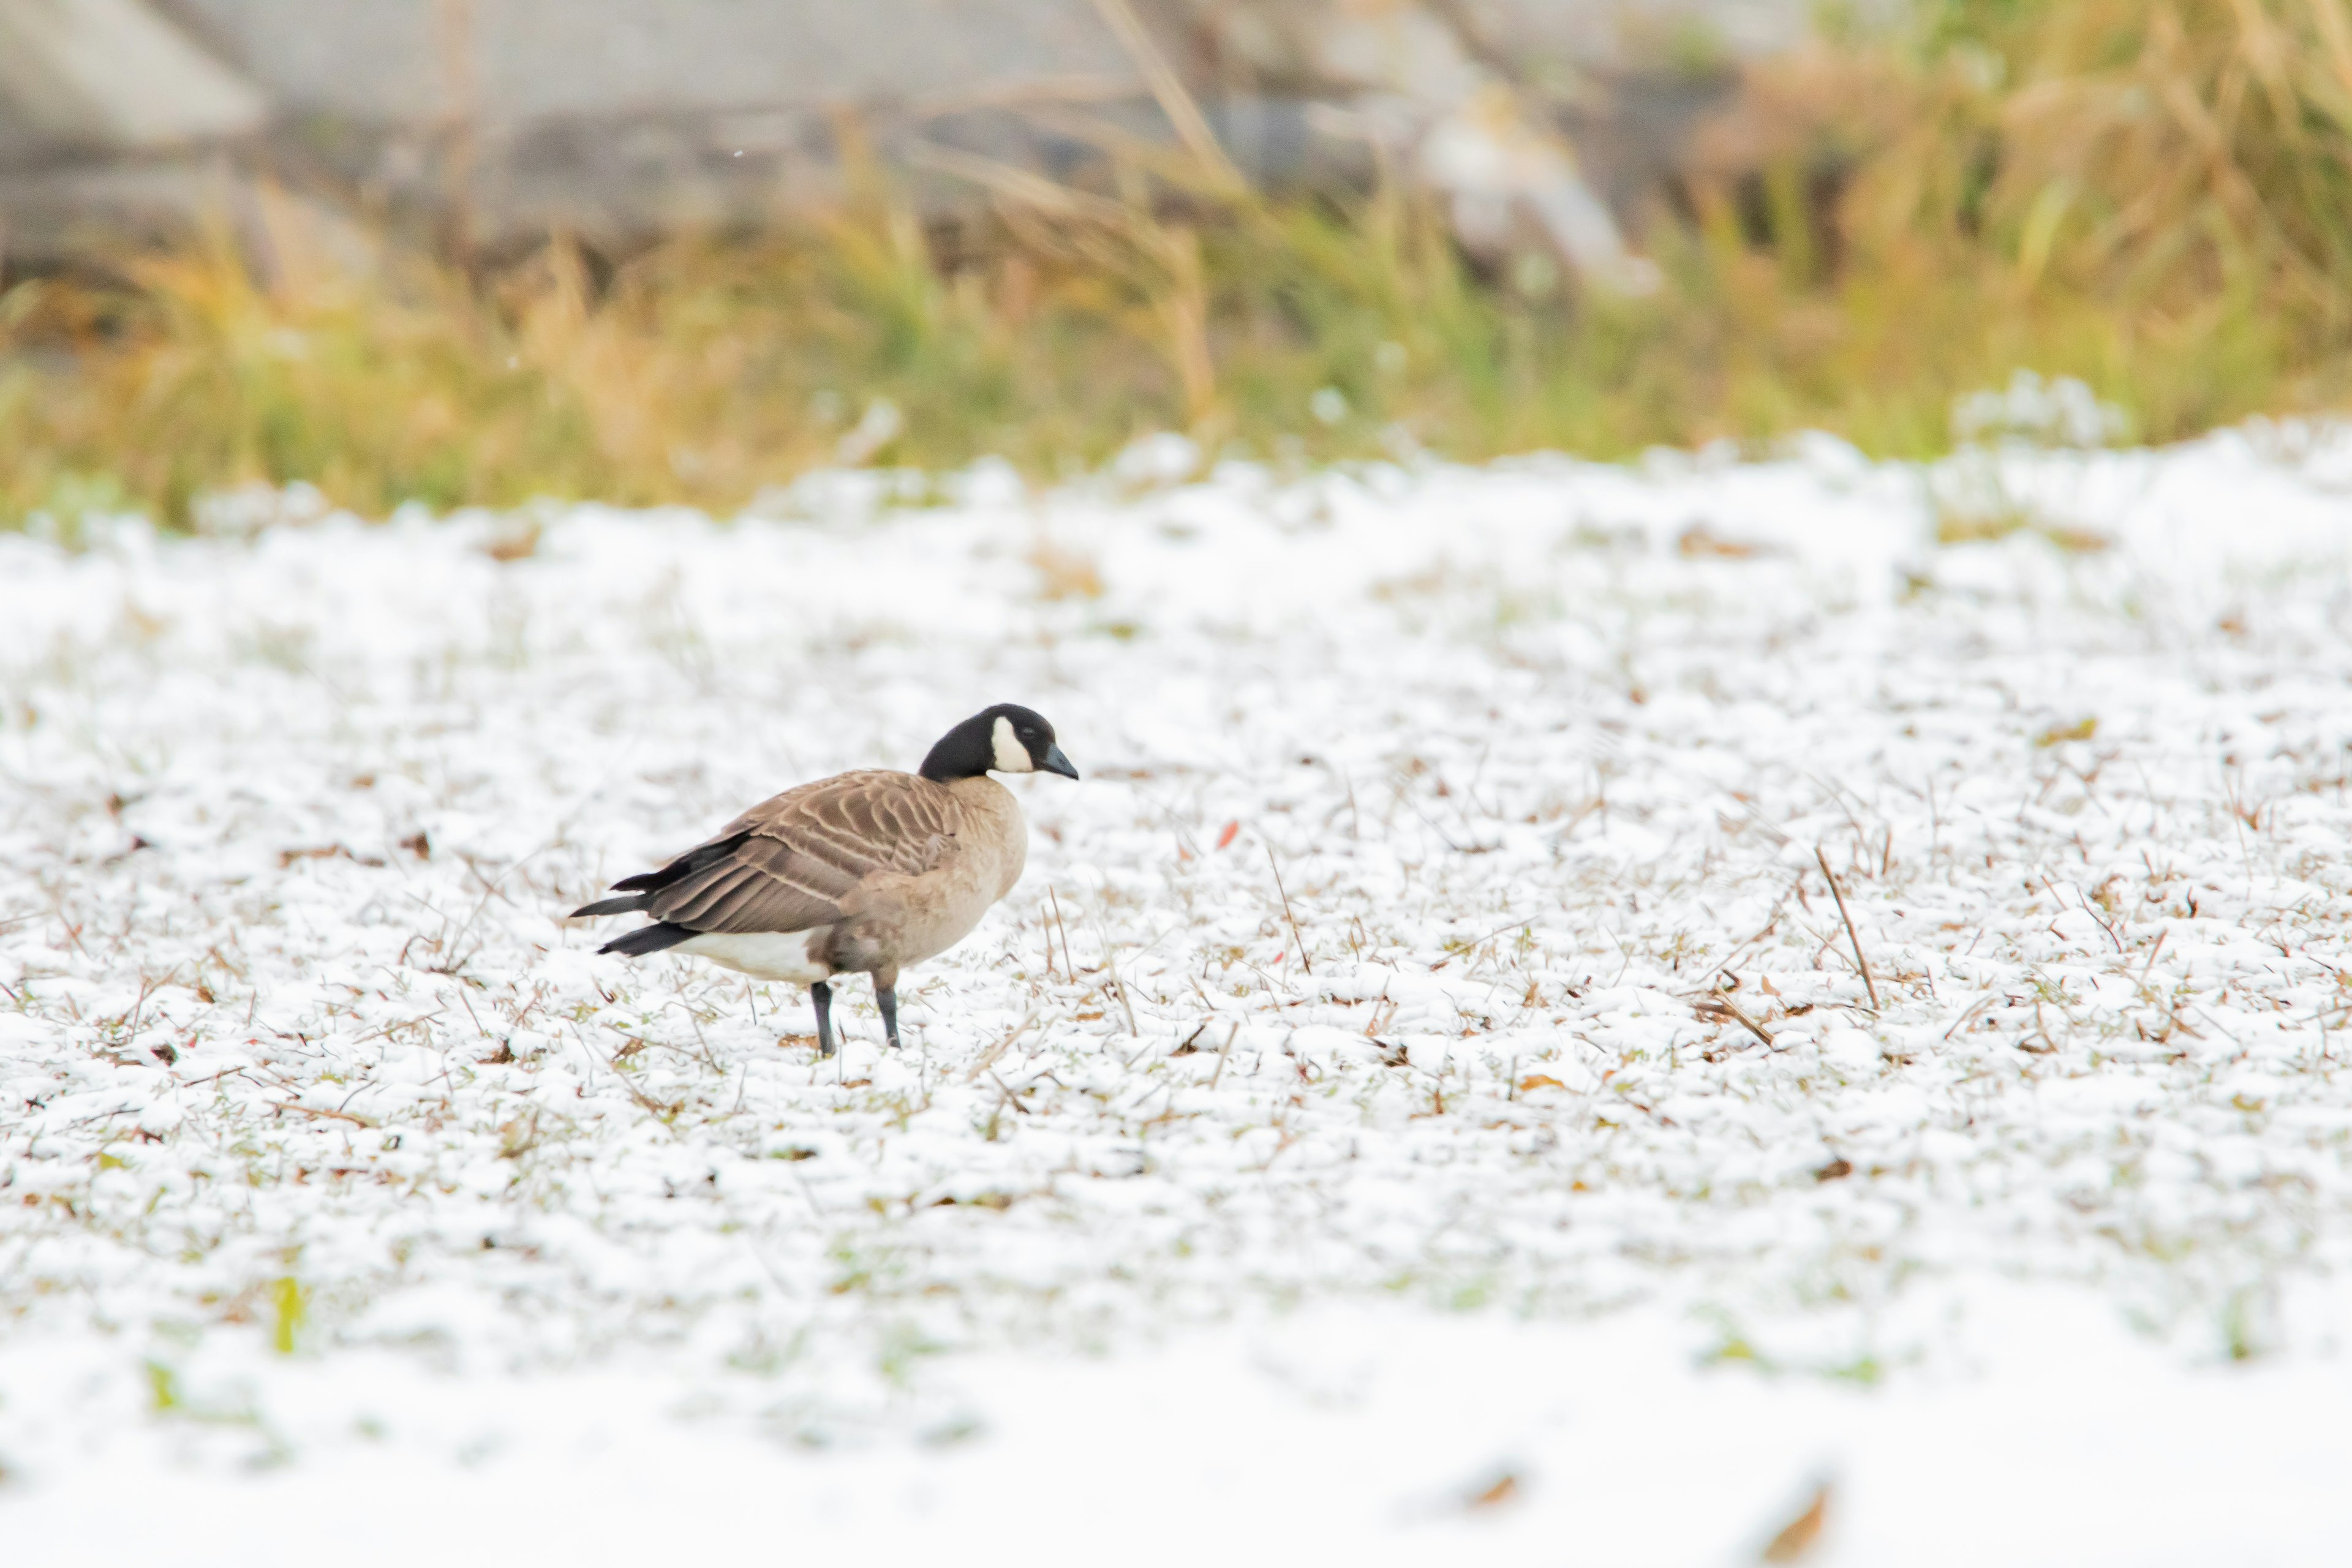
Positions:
(1437, 961)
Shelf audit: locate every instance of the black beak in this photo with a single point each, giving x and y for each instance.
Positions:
(1055, 762)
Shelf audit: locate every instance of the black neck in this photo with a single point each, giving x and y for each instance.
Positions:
(965, 751)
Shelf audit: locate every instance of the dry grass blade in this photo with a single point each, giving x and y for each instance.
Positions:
(349, 1116)
(1861, 959)
(988, 1057)
(1304, 962)
(1175, 100)
(1069, 964)
(1725, 1007)
(1018, 184)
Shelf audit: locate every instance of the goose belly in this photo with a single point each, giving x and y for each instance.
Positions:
(762, 954)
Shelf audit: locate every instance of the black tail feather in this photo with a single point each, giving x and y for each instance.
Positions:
(608, 907)
(649, 939)
(686, 865)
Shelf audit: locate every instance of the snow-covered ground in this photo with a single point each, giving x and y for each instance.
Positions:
(1358, 1132)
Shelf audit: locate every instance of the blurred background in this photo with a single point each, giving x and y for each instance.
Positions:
(479, 251)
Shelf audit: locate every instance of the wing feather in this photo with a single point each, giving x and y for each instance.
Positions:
(797, 857)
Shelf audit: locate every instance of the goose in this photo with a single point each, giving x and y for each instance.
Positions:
(864, 872)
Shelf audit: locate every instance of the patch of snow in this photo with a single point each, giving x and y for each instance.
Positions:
(1356, 1102)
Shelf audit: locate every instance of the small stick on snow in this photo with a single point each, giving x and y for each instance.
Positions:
(1513, 925)
(1303, 963)
(646, 1102)
(1839, 894)
(336, 1115)
(1069, 964)
(1974, 1008)
(988, 1058)
(2086, 910)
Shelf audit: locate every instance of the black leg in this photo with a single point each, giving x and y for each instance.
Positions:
(822, 994)
(886, 998)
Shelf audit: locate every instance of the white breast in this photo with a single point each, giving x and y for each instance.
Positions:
(762, 954)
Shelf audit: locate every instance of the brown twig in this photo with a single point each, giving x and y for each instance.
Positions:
(1304, 962)
(338, 1115)
(1839, 894)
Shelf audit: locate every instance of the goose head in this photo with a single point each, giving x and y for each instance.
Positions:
(1005, 739)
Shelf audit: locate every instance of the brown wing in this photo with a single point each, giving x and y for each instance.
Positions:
(787, 864)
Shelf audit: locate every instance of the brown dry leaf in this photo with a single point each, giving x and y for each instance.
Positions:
(1065, 574)
(1539, 1080)
(513, 538)
(1801, 1535)
(2082, 729)
(1503, 1488)
(2075, 540)
(1698, 539)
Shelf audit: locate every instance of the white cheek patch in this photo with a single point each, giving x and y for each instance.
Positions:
(1012, 756)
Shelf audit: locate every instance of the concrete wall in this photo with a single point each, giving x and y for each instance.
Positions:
(511, 62)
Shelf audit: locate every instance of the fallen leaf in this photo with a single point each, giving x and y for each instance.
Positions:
(1227, 836)
(1800, 1534)
(1065, 573)
(2082, 729)
(513, 540)
(1539, 1080)
(1699, 540)
(1505, 1488)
